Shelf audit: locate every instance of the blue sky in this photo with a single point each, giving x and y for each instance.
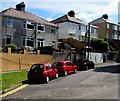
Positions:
(86, 10)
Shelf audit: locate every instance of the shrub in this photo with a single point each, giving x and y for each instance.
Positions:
(45, 50)
(12, 46)
(99, 45)
(1, 49)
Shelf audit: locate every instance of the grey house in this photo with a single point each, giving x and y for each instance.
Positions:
(26, 29)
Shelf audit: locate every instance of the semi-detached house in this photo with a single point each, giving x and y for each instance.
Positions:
(107, 29)
(70, 26)
(26, 29)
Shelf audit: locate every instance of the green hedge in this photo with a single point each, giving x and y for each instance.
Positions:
(45, 50)
(12, 46)
(99, 45)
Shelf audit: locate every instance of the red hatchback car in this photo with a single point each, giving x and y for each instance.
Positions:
(64, 67)
(40, 72)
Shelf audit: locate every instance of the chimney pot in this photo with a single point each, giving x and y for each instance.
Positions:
(71, 13)
(20, 6)
(105, 16)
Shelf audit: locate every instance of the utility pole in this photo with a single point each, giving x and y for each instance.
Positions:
(35, 35)
(88, 41)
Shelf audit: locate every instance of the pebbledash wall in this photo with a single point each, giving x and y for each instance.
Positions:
(11, 62)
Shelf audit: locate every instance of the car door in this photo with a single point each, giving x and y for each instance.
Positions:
(69, 66)
(72, 68)
(50, 71)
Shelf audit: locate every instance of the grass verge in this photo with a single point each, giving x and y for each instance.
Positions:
(10, 79)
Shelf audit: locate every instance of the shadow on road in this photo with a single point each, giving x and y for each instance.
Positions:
(33, 82)
(109, 69)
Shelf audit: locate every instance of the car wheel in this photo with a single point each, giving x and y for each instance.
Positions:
(75, 71)
(56, 76)
(65, 73)
(47, 79)
(87, 67)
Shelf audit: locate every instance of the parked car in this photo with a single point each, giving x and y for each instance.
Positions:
(64, 67)
(40, 72)
(84, 64)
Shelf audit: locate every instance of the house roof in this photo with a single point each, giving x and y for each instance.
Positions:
(105, 20)
(66, 18)
(26, 16)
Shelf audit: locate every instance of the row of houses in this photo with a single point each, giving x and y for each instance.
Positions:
(26, 29)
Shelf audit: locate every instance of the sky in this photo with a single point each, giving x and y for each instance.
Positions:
(86, 10)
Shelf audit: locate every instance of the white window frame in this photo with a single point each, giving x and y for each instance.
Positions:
(115, 27)
(9, 22)
(54, 30)
(41, 41)
(8, 36)
(108, 25)
(42, 26)
(25, 25)
(80, 27)
(26, 39)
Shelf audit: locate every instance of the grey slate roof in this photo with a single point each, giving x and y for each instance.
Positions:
(26, 16)
(66, 18)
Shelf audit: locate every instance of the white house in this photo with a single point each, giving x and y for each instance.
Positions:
(70, 26)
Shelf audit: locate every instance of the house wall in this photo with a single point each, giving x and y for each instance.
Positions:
(17, 31)
(103, 30)
(63, 30)
(66, 28)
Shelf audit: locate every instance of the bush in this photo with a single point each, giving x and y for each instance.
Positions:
(1, 49)
(12, 46)
(45, 50)
(99, 45)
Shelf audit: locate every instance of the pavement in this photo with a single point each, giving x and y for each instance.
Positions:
(108, 63)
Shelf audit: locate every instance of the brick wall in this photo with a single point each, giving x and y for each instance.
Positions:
(21, 61)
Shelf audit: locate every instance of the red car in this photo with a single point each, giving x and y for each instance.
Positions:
(40, 72)
(64, 67)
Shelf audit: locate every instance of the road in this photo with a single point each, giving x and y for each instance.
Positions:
(100, 83)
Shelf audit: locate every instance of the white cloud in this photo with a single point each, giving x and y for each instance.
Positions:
(85, 9)
(49, 19)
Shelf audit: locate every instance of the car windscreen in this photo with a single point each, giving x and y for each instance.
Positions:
(58, 64)
(37, 66)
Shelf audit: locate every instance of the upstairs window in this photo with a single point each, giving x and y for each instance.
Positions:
(108, 26)
(92, 30)
(9, 22)
(28, 25)
(115, 27)
(53, 30)
(41, 28)
(24, 24)
(79, 27)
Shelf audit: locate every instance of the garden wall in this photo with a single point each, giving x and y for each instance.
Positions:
(10, 62)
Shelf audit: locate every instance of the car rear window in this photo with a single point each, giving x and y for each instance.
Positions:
(58, 64)
(37, 66)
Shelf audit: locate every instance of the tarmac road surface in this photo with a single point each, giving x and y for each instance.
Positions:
(100, 83)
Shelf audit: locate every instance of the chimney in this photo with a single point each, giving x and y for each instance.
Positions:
(105, 16)
(20, 7)
(71, 13)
